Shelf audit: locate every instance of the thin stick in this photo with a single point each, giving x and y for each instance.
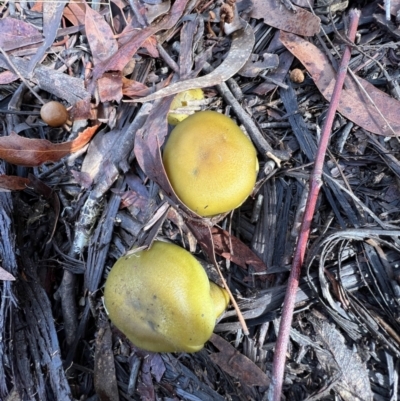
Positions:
(12, 65)
(278, 367)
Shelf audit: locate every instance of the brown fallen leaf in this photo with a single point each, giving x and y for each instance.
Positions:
(110, 86)
(13, 182)
(57, 83)
(241, 253)
(52, 14)
(278, 75)
(353, 104)
(275, 14)
(28, 152)
(16, 33)
(125, 52)
(6, 77)
(100, 36)
(153, 11)
(236, 364)
(285, 61)
(239, 53)
(5, 275)
(150, 44)
(75, 12)
(133, 88)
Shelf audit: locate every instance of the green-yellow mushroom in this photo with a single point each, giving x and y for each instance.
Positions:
(54, 114)
(162, 301)
(210, 162)
(181, 101)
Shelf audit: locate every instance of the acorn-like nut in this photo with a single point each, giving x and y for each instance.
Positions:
(297, 76)
(54, 114)
(210, 163)
(161, 299)
(180, 101)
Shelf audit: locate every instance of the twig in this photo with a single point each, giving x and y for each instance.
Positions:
(260, 142)
(88, 218)
(278, 368)
(12, 65)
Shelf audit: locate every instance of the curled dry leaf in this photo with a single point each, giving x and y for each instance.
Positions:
(16, 33)
(275, 14)
(52, 13)
(239, 53)
(100, 36)
(150, 44)
(154, 11)
(28, 152)
(133, 88)
(353, 383)
(5, 275)
(110, 86)
(354, 103)
(254, 68)
(236, 364)
(61, 85)
(75, 12)
(235, 250)
(13, 183)
(131, 46)
(148, 141)
(6, 77)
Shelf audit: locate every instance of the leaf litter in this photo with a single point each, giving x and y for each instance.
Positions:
(76, 208)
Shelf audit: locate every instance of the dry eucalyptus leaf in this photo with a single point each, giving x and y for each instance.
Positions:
(100, 36)
(353, 381)
(29, 152)
(57, 83)
(253, 68)
(354, 103)
(16, 33)
(239, 53)
(153, 11)
(236, 364)
(5, 275)
(52, 13)
(75, 12)
(275, 14)
(135, 40)
(13, 183)
(235, 250)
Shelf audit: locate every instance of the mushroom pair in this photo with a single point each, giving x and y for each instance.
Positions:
(161, 298)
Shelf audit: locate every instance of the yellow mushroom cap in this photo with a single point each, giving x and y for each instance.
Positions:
(210, 163)
(220, 298)
(180, 101)
(160, 299)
